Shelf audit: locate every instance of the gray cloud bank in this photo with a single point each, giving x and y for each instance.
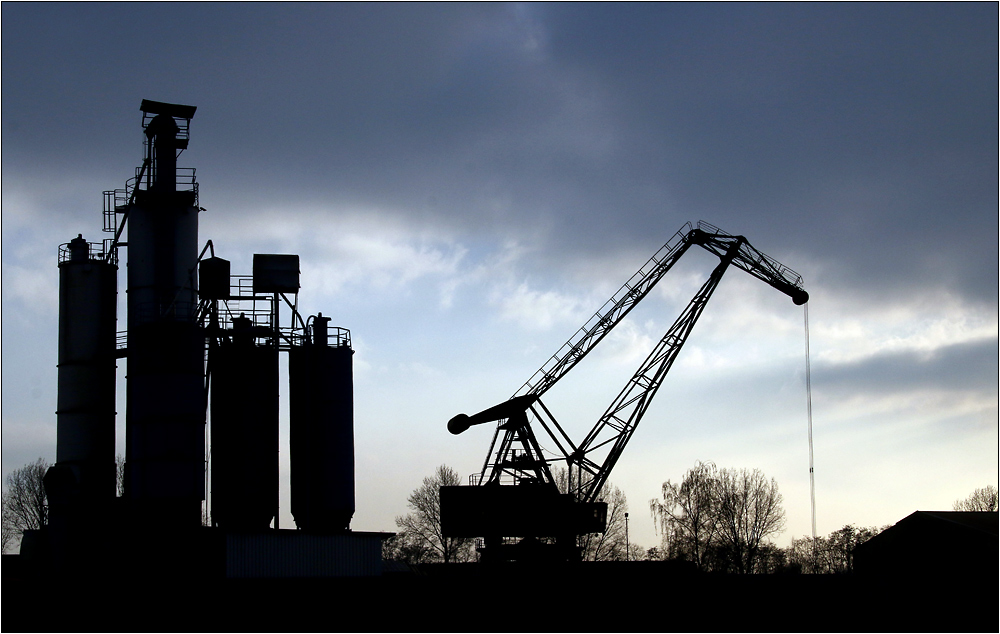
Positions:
(860, 138)
(964, 367)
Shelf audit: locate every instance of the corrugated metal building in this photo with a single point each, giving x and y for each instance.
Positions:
(289, 554)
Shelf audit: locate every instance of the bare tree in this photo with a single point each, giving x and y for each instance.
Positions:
(749, 511)
(687, 516)
(24, 502)
(637, 552)
(423, 526)
(720, 519)
(10, 534)
(841, 544)
(611, 544)
(801, 555)
(832, 554)
(984, 499)
(770, 559)
(404, 547)
(120, 475)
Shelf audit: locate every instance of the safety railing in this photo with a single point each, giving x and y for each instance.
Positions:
(336, 337)
(752, 259)
(95, 251)
(243, 303)
(116, 200)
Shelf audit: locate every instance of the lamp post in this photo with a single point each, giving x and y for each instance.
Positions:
(626, 536)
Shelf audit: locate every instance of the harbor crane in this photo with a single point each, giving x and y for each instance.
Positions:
(515, 504)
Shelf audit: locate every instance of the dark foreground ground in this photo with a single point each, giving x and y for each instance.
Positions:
(638, 596)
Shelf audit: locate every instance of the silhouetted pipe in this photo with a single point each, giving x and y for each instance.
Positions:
(162, 133)
(320, 329)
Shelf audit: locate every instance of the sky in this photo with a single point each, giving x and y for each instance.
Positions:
(466, 185)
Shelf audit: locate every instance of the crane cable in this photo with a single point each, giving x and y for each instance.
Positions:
(809, 413)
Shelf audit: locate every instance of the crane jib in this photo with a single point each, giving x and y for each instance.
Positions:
(515, 455)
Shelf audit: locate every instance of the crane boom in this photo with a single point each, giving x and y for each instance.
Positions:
(616, 426)
(609, 315)
(619, 422)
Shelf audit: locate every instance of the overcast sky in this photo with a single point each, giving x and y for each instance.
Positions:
(467, 184)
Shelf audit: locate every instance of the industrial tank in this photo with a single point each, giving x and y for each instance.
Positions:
(85, 436)
(165, 435)
(321, 434)
(244, 408)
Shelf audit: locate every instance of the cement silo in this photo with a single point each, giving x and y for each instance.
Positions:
(243, 369)
(165, 409)
(83, 480)
(321, 434)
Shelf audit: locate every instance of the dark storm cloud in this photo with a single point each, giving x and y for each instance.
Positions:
(863, 137)
(863, 134)
(381, 103)
(966, 367)
(268, 73)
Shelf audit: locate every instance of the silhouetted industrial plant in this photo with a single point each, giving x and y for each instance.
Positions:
(196, 334)
(202, 340)
(204, 344)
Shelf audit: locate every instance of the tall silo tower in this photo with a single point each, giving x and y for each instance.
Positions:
(165, 396)
(81, 485)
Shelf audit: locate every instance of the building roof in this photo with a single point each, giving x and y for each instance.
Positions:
(928, 543)
(985, 521)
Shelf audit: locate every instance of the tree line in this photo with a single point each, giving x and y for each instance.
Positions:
(720, 520)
